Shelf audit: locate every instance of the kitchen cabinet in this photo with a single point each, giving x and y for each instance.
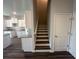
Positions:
(6, 40)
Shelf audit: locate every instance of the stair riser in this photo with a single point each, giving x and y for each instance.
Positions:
(42, 48)
(42, 31)
(42, 27)
(42, 37)
(42, 42)
(42, 34)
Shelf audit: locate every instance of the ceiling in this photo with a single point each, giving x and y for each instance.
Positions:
(19, 6)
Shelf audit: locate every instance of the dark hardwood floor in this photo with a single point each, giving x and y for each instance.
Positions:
(15, 52)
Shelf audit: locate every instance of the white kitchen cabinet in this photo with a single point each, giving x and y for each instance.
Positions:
(6, 40)
(14, 20)
(8, 23)
(27, 44)
(21, 23)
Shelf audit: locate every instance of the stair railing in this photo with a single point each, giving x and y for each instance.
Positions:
(35, 32)
(36, 25)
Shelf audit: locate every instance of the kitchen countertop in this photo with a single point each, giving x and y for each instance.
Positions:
(5, 34)
(25, 33)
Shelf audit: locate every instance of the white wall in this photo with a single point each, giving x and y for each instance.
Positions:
(58, 6)
(4, 25)
(28, 44)
(72, 46)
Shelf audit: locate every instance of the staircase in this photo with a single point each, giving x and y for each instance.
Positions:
(42, 42)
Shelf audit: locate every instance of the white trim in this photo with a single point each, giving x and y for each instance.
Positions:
(42, 40)
(42, 50)
(51, 51)
(43, 36)
(42, 33)
(33, 38)
(42, 44)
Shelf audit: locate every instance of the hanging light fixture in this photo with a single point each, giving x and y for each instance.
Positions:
(14, 13)
(14, 7)
(13, 18)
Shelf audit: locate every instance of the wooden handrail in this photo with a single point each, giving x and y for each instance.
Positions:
(36, 26)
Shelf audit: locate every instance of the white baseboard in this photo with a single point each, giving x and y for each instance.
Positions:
(51, 51)
(72, 54)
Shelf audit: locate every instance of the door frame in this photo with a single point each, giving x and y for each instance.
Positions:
(54, 32)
